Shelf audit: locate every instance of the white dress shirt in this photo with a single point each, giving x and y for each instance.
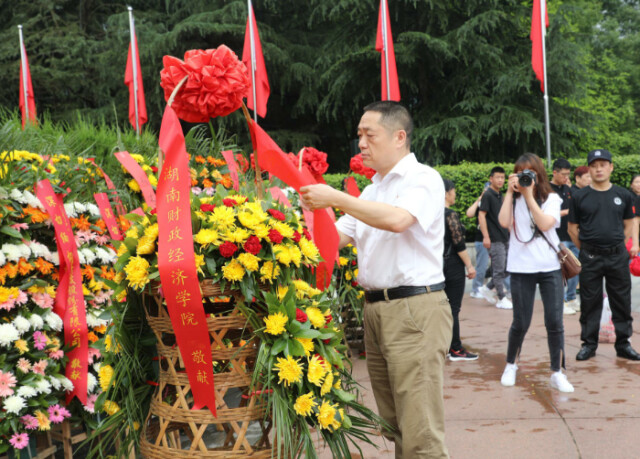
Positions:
(413, 257)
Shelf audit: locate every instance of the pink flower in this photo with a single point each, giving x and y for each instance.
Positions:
(102, 240)
(30, 422)
(20, 226)
(19, 441)
(93, 354)
(39, 340)
(8, 305)
(57, 414)
(39, 367)
(22, 298)
(7, 381)
(56, 355)
(43, 300)
(91, 401)
(85, 235)
(24, 365)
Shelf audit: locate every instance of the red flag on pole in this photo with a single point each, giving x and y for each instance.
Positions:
(27, 110)
(128, 80)
(537, 57)
(384, 44)
(252, 54)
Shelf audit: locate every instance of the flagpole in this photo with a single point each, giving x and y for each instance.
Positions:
(134, 65)
(253, 62)
(385, 40)
(24, 76)
(543, 30)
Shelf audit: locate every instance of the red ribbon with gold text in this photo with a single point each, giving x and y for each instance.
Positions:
(139, 176)
(111, 187)
(233, 168)
(177, 266)
(69, 303)
(106, 211)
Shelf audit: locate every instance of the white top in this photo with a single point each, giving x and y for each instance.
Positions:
(413, 257)
(535, 256)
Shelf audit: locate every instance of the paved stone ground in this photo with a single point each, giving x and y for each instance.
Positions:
(530, 420)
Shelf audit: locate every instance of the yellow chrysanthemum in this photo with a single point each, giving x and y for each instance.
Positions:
(137, 272)
(7, 294)
(223, 216)
(355, 251)
(281, 291)
(295, 255)
(238, 198)
(248, 219)
(348, 275)
(207, 236)
(310, 251)
(122, 249)
(139, 159)
(110, 407)
(21, 345)
(109, 345)
(342, 260)
(301, 288)
(120, 297)
(289, 370)
(338, 383)
(360, 294)
(237, 235)
(105, 377)
(355, 272)
(317, 370)
(316, 317)
(146, 246)
(261, 231)
(43, 421)
(233, 271)
(269, 271)
(304, 404)
(327, 416)
(151, 231)
(282, 228)
(200, 263)
(275, 323)
(134, 185)
(249, 261)
(132, 233)
(307, 344)
(282, 254)
(327, 384)
(153, 180)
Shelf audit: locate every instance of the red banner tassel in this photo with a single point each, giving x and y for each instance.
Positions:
(233, 168)
(69, 301)
(106, 211)
(177, 266)
(111, 187)
(139, 175)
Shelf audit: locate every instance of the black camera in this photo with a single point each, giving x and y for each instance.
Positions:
(526, 178)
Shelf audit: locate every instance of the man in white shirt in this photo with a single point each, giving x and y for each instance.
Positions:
(397, 225)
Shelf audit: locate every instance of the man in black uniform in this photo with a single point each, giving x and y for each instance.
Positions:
(600, 221)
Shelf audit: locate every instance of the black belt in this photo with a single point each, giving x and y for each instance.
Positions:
(400, 292)
(594, 250)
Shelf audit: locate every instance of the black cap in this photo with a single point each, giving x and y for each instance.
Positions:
(598, 154)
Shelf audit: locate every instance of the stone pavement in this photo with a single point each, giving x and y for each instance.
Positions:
(530, 420)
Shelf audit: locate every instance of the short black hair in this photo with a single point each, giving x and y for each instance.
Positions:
(448, 185)
(394, 116)
(497, 169)
(560, 164)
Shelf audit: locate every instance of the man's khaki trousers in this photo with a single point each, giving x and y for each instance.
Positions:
(406, 342)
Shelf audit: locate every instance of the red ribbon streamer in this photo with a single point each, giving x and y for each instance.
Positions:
(233, 168)
(139, 176)
(69, 301)
(176, 263)
(352, 187)
(111, 187)
(279, 196)
(107, 215)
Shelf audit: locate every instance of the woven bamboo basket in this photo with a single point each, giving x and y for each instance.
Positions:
(241, 428)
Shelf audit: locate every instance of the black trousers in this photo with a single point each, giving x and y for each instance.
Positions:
(454, 278)
(614, 269)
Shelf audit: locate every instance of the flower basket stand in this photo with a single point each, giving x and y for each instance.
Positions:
(241, 428)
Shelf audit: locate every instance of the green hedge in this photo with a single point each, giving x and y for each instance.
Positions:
(470, 178)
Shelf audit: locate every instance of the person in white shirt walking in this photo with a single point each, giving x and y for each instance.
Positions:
(397, 225)
(531, 210)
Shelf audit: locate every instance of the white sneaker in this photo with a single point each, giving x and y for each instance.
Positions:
(559, 381)
(504, 304)
(477, 295)
(567, 311)
(509, 376)
(487, 294)
(573, 304)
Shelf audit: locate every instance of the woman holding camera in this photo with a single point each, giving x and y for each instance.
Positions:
(532, 212)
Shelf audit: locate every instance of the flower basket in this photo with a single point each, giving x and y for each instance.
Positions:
(173, 429)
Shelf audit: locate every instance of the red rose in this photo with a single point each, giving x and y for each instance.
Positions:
(154, 169)
(228, 249)
(296, 237)
(301, 316)
(315, 160)
(253, 245)
(217, 83)
(354, 284)
(306, 234)
(276, 214)
(154, 211)
(229, 202)
(353, 262)
(207, 207)
(242, 162)
(275, 236)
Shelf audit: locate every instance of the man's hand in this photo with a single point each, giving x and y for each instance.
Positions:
(318, 196)
(486, 242)
(633, 252)
(471, 272)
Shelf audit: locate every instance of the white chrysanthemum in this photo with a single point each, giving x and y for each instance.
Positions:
(40, 250)
(55, 382)
(55, 258)
(81, 258)
(94, 321)
(53, 320)
(27, 392)
(91, 382)
(107, 256)
(21, 324)
(80, 207)
(14, 252)
(67, 384)
(17, 195)
(31, 200)
(8, 334)
(14, 404)
(43, 386)
(88, 255)
(3, 259)
(71, 210)
(96, 367)
(36, 322)
(93, 209)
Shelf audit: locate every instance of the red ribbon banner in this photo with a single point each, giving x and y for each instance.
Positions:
(139, 176)
(176, 263)
(352, 187)
(106, 211)
(279, 196)
(69, 302)
(233, 168)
